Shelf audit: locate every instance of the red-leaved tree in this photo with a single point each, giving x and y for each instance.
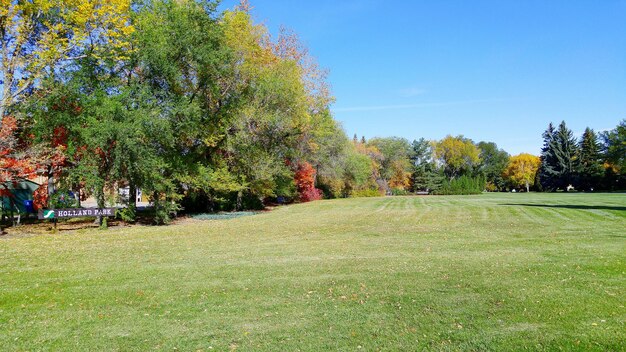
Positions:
(13, 166)
(305, 183)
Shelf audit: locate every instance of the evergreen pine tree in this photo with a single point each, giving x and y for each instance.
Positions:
(548, 160)
(591, 169)
(425, 175)
(559, 157)
(614, 154)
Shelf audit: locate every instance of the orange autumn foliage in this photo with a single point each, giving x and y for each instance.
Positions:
(13, 166)
(305, 183)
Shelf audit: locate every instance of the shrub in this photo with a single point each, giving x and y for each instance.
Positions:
(305, 183)
(62, 199)
(365, 193)
(399, 192)
(462, 185)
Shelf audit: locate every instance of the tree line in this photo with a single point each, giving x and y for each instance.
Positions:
(458, 165)
(204, 110)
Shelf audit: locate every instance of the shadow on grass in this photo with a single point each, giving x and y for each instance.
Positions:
(569, 206)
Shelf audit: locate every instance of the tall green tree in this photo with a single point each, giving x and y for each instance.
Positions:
(425, 175)
(493, 162)
(184, 56)
(559, 159)
(590, 159)
(358, 172)
(614, 148)
(615, 145)
(152, 119)
(548, 158)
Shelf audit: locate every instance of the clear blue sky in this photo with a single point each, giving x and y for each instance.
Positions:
(491, 70)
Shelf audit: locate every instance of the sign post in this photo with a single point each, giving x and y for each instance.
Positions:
(74, 213)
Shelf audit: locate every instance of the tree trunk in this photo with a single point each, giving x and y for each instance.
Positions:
(239, 201)
(527, 187)
(50, 184)
(101, 220)
(132, 200)
(2, 213)
(12, 204)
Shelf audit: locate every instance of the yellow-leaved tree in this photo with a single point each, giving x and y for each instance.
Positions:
(457, 154)
(522, 170)
(38, 37)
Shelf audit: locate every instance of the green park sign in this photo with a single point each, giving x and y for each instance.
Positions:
(75, 213)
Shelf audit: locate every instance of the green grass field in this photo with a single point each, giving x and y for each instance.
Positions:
(489, 272)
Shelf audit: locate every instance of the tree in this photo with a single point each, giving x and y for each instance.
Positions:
(375, 158)
(615, 146)
(425, 175)
(13, 166)
(458, 155)
(395, 167)
(493, 161)
(591, 169)
(283, 119)
(185, 58)
(357, 172)
(183, 102)
(38, 37)
(614, 152)
(522, 169)
(547, 158)
(147, 120)
(305, 183)
(559, 158)
(330, 157)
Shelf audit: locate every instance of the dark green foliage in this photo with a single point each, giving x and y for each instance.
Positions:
(336, 169)
(62, 199)
(462, 185)
(399, 192)
(615, 146)
(547, 159)
(493, 161)
(559, 158)
(427, 179)
(615, 154)
(591, 169)
(425, 176)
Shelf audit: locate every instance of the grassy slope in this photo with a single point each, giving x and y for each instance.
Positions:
(472, 273)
